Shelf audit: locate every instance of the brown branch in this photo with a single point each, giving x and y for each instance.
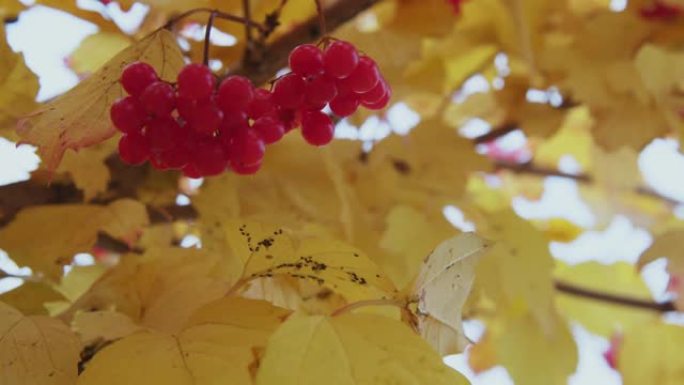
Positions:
(570, 289)
(496, 133)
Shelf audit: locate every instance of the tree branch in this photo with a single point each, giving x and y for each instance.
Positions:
(614, 299)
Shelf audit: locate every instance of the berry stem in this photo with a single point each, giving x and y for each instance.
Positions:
(246, 10)
(321, 18)
(207, 38)
(370, 302)
(220, 14)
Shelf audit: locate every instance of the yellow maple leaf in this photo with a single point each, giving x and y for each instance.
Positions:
(80, 117)
(18, 85)
(216, 346)
(95, 50)
(442, 289)
(36, 350)
(350, 349)
(102, 325)
(65, 230)
(652, 354)
(30, 297)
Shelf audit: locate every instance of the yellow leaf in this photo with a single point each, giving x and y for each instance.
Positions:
(105, 325)
(408, 238)
(601, 318)
(95, 50)
(442, 289)
(216, 347)
(80, 117)
(36, 350)
(162, 289)
(47, 237)
(651, 354)
(559, 229)
(87, 167)
(10, 8)
(18, 85)
(30, 297)
(350, 349)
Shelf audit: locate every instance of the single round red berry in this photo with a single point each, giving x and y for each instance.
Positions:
(210, 157)
(288, 91)
(163, 133)
(206, 118)
(317, 128)
(158, 99)
(134, 149)
(365, 76)
(195, 81)
(345, 104)
(340, 59)
(136, 76)
(306, 60)
(127, 115)
(269, 129)
(249, 169)
(320, 91)
(381, 103)
(261, 105)
(246, 149)
(235, 93)
(375, 94)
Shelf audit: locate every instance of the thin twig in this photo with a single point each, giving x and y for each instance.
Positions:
(369, 302)
(207, 38)
(246, 10)
(614, 299)
(220, 14)
(496, 133)
(321, 18)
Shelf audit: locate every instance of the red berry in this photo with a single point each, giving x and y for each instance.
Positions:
(246, 149)
(320, 91)
(345, 104)
(306, 60)
(365, 76)
(195, 81)
(190, 171)
(210, 157)
(163, 133)
(175, 158)
(127, 115)
(340, 59)
(233, 122)
(288, 118)
(137, 76)
(374, 95)
(241, 169)
(133, 149)
(235, 93)
(317, 128)
(261, 105)
(206, 118)
(380, 104)
(288, 91)
(185, 107)
(158, 99)
(269, 129)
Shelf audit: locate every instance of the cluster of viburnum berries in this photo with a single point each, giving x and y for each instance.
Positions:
(202, 129)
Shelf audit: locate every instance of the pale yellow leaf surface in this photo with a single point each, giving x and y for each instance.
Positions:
(87, 167)
(30, 297)
(573, 139)
(602, 318)
(96, 49)
(652, 354)
(79, 279)
(408, 238)
(559, 229)
(351, 349)
(442, 289)
(323, 261)
(18, 85)
(667, 245)
(65, 230)
(36, 350)
(80, 117)
(161, 289)
(216, 347)
(106, 325)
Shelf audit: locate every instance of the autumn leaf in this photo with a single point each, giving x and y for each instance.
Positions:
(215, 346)
(18, 85)
(30, 297)
(350, 349)
(652, 353)
(36, 350)
(80, 117)
(66, 230)
(102, 325)
(442, 289)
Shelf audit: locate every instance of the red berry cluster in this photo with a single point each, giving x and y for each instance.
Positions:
(660, 11)
(202, 129)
